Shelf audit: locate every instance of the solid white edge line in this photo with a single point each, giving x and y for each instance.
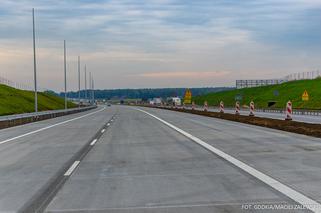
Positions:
(287, 191)
(72, 168)
(93, 142)
(48, 127)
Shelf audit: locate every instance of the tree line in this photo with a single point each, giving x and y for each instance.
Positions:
(145, 94)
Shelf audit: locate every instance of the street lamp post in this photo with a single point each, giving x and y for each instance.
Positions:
(78, 81)
(65, 74)
(34, 60)
(85, 83)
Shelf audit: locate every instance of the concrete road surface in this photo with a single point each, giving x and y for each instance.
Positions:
(31, 155)
(156, 163)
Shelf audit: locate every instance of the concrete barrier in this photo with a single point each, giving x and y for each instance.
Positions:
(15, 120)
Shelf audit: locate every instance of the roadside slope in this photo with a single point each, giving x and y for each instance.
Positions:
(280, 93)
(14, 101)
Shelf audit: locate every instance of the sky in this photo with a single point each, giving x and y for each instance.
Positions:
(159, 43)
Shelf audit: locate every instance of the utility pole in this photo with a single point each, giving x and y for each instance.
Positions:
(85, 83)
(79, 81)
(65, 73)
(34, 60)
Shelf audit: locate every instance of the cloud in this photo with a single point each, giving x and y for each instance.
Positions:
(193, 75)
(122, 41)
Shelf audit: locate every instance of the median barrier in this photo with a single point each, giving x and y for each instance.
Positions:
(26, 118)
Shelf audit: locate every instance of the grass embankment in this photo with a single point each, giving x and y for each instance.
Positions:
(15, 101)
(280, 93)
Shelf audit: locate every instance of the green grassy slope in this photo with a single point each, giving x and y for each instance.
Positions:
(14, 101)
(262, 95)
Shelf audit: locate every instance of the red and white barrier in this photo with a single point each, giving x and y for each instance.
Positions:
(288, 111)
(221, 107)
(193, 105)
(237, 108)
(251, 108)
(205, 106)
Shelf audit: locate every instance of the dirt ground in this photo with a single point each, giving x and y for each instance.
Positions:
(289, 126)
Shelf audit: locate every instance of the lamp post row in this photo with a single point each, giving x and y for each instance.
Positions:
(91, 81)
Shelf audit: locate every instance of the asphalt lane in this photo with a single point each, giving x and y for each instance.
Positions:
(28, 163)
(141, 165)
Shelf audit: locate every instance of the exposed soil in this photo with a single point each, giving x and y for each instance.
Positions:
(289, 126)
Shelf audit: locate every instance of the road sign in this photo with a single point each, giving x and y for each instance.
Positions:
(305, 96)
(188, 97)
(276, 93)
(238, 97)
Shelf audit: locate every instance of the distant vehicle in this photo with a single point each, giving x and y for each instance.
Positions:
(174, 101)
(108, 104)
(157, 101)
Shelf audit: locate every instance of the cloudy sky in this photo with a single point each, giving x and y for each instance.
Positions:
(160, 43)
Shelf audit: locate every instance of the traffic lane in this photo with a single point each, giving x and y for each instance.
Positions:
(140, 165)
(28, 163)
(22, 129)
(290, 158)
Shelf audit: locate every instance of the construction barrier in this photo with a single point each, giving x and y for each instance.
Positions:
(288, 111)
(221, 107)
(205, 106)
(237, 108)
(251, 109)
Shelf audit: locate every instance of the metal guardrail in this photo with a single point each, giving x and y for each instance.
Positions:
(295, 111)
(15, 120)
(33, 114)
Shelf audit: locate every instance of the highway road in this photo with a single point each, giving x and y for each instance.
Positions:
(31, 155)
(152, 160)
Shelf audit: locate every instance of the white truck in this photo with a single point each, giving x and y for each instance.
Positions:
(174, 101)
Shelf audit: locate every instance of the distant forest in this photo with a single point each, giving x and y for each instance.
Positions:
(146, 93)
